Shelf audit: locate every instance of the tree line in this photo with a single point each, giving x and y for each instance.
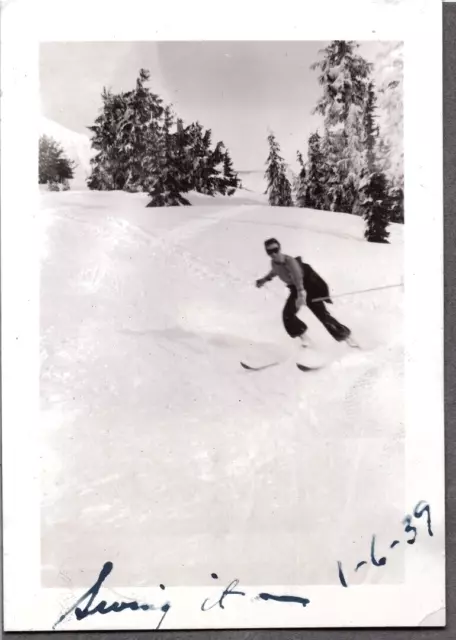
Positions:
(345, 169)
(143, 146)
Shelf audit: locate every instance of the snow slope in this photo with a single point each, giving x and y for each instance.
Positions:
(154, 438)
(76, 146)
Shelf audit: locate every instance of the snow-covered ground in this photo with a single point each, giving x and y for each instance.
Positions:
(160, 452)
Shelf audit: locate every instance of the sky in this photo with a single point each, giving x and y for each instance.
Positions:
(241, 90)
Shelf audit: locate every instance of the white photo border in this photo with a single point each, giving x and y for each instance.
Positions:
(418, 23)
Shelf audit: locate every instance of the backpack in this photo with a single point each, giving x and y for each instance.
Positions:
(314, 284)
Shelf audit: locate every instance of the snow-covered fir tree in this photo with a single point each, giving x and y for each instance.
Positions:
(54, 168)
(213, 175)
(371, 130)
(279, 187)
(389, 76)
(126, 135)
(205, 172)
(137, 139)
(183, 155)
(319, 173)
(207, 165)
(316, 174)
(396, 194)
(332, 170)
(230, 177)
(343, 75)
(374, 201)
(376, 206)
(353, 159)
(107, 171)
(167, 180)
(301, 183)
(142, 132)
(193, 135)
(389, 73)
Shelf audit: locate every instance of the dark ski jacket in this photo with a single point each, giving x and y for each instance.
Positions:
(314, 284)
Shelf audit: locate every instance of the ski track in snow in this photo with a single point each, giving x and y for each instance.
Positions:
(152, 429)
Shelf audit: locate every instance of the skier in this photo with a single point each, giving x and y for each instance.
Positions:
(305, 285)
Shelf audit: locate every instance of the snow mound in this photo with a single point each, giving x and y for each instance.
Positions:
(145, 316)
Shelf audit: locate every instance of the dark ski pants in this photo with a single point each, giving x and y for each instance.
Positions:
(295, 327)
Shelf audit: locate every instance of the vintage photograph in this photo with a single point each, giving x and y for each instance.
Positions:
(221, 322)
(221, 318)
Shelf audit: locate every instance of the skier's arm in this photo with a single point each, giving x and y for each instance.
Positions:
(269, 276)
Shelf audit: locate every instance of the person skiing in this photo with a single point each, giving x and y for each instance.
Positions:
(304, 285)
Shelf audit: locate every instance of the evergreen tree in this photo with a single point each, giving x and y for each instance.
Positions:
(214, 163)
(391, 145)
(54, 167)
(376, 207)
(197, 157)
(301, 183)
(207, 173)
(396, 194)
(333, 170)
(184, 157)
(279, 187)
(390, 76)
(210, 170)
(166, 181)
(315, 187)
(352, 161)
(108, 165)
(375, 202)
(230, 178)
(141, 146)
(371, 129)
(126, 135)
(343, 75)
(395, 181)
(142, 132)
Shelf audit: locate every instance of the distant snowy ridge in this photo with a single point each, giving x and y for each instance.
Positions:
(254, 180)
(76, 147)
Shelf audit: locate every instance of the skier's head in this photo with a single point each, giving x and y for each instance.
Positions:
(273, 249)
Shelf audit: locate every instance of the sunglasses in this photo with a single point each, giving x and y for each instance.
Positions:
(272, 250)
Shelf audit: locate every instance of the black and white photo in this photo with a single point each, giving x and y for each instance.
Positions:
(237, 319)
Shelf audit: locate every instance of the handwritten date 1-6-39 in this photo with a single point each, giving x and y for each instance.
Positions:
(422, 508)
(87, 605)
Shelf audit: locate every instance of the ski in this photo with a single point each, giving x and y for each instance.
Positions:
(304, 367)
(260, 368)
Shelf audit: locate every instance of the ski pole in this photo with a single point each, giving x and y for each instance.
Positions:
(352, 293)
